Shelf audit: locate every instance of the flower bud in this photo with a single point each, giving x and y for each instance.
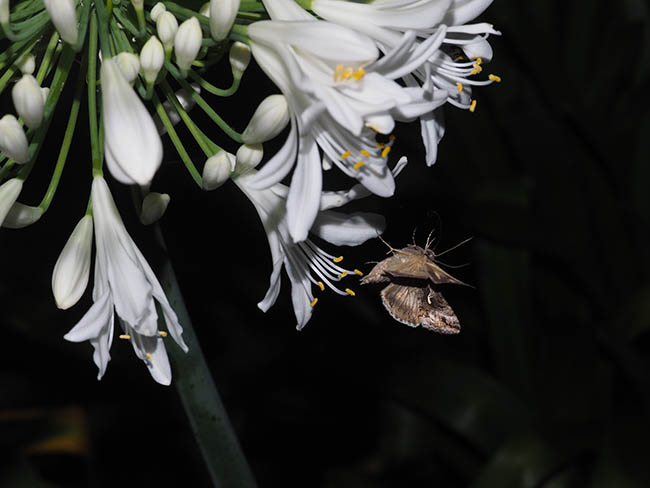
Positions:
(153, 207)
(152, 58)
(205, 9)
(64, 18)
(129, 65)
(28, 101)
(156, 10)
(4, 12)
(13, 141)
(137, 4)
(269, 119)
(21, 215)
(72, 269)
(222, 17)
(27, 64)
(166, 27)
(249, 156)
(217, 170)
(45, 92)
(9, 192)
(187, 42)
(240, 56)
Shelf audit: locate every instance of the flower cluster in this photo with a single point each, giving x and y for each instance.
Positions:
(347, 73)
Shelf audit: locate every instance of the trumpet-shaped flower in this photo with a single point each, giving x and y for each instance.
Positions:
(306, 264)
(64, 18)
(13, 141)
(9, 192)
(132, 145)
(125, 285)
(222, 16)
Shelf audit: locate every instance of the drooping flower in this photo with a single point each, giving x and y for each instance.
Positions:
(64, 18)
(125, 286)
(9, 192)
(28, 101)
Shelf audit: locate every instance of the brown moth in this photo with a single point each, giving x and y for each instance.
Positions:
(409, 297)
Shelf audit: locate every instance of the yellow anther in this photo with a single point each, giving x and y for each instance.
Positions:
(346, 154)
(162, 333)
(381, 145)
(472, 107)
(350, 292)
(357, 272)
(343, 275)
(314, 302)
(478, 61)
(358, 165)
(338, 72)
(460, 86)
(495, 78)
(477, 69)
(347, 73)
(365, 153)
(385, 151)
(358, 74)
(392, 137)
(149, 356)
(126, 337)
(459, 58)
(338, 260)
(321, 286)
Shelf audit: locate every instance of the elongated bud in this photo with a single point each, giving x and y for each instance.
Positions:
(9, 192)
(64, 18)
(45, 92)
(4, 12)
(13, 141)
(217, 170)
(205, 9)
(240, 57)
(153, 207)
(249, 156)
(222, 17)
(21, 215)
(137, 4)
(187, 42)
(269, 119)
(152, 58)
(166, 27)
(72, 269)
(28, 101)
(133, 147)
(27, 64)
(129, 64)
(156, 10)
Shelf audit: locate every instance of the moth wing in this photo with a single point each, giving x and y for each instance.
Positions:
(437, 315)
(403, 303)
(379, 273)
(438, 275)
(409, 262)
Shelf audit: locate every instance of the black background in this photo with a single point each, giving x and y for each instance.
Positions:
(546, 385)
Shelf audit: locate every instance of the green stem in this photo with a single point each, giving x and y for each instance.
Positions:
(104, 38)
(43, 69)
(92, 97)
(210, 88)
(207, 415)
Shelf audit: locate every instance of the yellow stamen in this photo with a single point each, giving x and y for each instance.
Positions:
(495, 78)
(338, 260)
(380, 145)
(477, 69)
(350, 292)
(162, 333)
(459, 58)
(149, 356)
(314, 302)
(460, 86)
(479, 61)
(357, 272)
(358, 74)
(346, 154)
(347, 73)
(343, 275)
(385, 152)
(472, 107)
(392, 137)
(126, 337)
(338, 72)
(321, 286)
(365, 153)
(358, 165)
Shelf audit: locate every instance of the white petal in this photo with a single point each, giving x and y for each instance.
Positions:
(9, 192)
(72, 268)
(304, 193)
(93, 322)
(21, 215)
(463, 11)
(280, 164)
(348, 230)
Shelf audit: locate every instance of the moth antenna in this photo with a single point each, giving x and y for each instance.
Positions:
(440, 227)
(454, 247)
(413, 236)
(429, 241)
(452, 266)
(387, 245)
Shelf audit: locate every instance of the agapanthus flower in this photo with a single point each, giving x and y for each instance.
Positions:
(124, 285)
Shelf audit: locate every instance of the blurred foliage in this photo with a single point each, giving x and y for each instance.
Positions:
(547, 385)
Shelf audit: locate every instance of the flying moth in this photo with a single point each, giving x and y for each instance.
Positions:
(410, 297)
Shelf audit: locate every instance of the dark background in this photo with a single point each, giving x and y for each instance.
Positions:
(547, 384)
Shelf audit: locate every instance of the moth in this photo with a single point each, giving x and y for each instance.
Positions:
(410, 297)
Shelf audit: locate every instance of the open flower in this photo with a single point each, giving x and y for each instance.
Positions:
(306, 264)
(124, 285)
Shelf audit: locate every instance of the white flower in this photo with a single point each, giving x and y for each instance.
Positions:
(132, 145)
(124, 285)
(28, 101)
(187, 42)
(154, 206)
(166, 27)
(305, 263)
(72, 268)
(64, 18)
(222, 16)
(4, 12)
(9, 192)
(339, 95)
(21, 215)
(13, 141)
(270, 118)
(248, 156)
(129, 64)
(217, 170)
(152, 58)
(27, 64)
(239, 57)
(156, 10)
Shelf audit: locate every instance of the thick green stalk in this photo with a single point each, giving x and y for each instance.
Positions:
(213, 432)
